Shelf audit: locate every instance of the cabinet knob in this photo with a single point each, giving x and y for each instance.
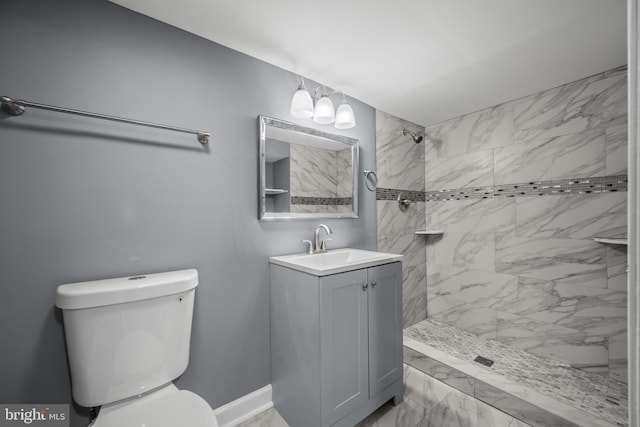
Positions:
(364, 286)
(373, 284)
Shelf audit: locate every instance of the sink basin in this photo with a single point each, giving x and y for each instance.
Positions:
(334, 261)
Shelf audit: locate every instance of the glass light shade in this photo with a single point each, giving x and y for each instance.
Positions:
(301, 104)
(324, 112)
(345, 119)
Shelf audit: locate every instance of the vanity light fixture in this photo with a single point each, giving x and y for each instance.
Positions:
(303, 106)
(301, 103)
(345, 119)
(323, 113)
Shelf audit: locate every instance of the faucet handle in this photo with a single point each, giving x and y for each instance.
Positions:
(309, 246)
(323, 245)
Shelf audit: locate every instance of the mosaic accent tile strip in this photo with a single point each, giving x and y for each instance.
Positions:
(325, 201)
(592, 393)
(602, 184)
(393, 193)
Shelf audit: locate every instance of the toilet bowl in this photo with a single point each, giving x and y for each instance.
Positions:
(127, 340)
(166, 407)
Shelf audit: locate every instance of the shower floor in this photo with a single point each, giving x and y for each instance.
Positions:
(538, 391)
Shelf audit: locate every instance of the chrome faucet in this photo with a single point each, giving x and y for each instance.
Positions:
(317, 246)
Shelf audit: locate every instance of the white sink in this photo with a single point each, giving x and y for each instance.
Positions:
(334, 261)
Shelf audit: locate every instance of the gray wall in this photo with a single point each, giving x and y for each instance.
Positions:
(84, 199)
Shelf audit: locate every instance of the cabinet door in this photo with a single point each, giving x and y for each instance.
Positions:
(385, 325)
(343, 344)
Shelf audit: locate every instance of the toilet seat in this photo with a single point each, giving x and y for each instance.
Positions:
(166, 407)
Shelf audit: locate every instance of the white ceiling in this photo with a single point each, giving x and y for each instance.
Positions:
(423, 60)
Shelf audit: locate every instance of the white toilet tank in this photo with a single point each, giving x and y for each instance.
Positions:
(127, 336)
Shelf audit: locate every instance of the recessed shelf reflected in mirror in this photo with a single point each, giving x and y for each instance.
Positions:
(306, 173)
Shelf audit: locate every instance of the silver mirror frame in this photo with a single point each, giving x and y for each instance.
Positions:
(263, 122)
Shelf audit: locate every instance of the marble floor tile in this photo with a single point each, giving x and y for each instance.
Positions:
(459, 409)
(405, 414)
(439, 370)
(453, 411)
(534, 379)
(521, 409)
(426, 402)
(439, 348)
(487, 415)
(420, 390)
(268, 418)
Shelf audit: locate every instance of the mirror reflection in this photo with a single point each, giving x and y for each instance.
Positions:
(305, 172)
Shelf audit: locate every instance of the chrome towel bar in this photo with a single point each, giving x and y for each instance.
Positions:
(16, 107)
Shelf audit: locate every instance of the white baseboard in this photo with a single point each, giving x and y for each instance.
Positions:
(245, 407)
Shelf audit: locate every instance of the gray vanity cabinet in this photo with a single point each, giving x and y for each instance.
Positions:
(385, 326)
(336, 343)
(343, 343)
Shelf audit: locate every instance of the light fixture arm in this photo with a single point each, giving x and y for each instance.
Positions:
(301, 85)
(333, 92)
(315, 95)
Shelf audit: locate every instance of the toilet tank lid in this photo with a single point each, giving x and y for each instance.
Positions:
(120, 290)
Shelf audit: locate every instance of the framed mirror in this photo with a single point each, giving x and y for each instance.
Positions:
(306, 173)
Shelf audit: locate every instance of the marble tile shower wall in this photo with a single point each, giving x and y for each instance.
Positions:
(321, 180)
(525, 269)
(400, 166)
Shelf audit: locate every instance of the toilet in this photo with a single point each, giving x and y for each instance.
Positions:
(127, 340)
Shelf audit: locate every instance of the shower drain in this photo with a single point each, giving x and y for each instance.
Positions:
(483, 361)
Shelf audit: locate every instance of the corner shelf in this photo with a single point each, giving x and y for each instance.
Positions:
(612, 240)
(429, 232)
(274, 191)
